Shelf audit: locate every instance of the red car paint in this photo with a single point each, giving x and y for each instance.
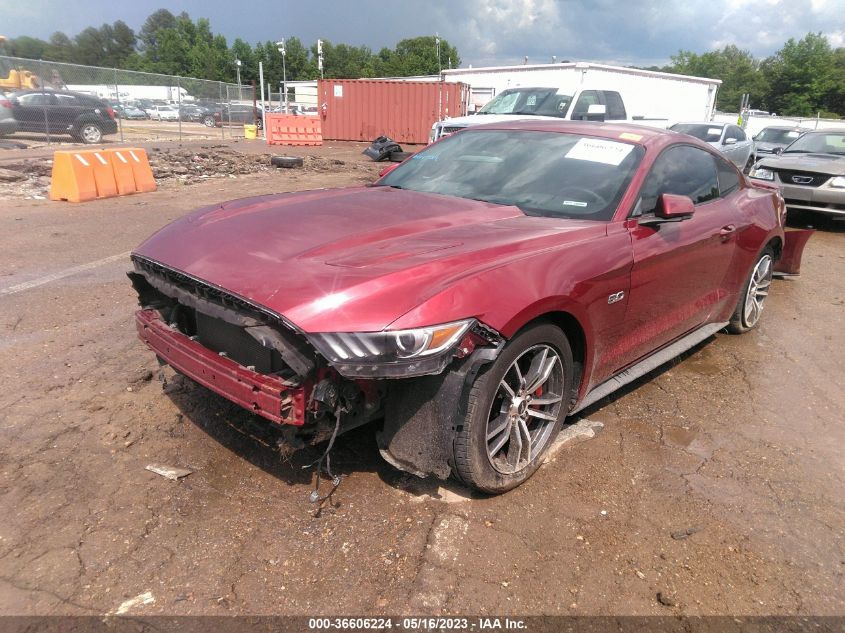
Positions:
(368, 259)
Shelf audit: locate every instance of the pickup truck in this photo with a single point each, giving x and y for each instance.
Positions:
(546, 103)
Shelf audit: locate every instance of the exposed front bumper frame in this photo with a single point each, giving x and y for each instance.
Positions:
(267, 396)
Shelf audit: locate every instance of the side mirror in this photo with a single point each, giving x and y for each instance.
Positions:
(670, 208)
(596, 112)
(388, 169)
(730, 141)
(777, 150)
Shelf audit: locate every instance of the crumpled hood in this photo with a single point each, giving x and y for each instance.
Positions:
(832, 164)
(352, 259)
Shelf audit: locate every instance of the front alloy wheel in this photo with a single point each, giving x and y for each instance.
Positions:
(515, 409)
(525, 409)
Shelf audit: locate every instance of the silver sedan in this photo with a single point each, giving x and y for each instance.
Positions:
(730, 140)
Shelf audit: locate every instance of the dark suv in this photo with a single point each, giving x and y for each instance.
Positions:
(238, 114)
(85, 118)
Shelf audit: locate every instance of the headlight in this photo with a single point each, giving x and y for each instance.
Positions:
(839, 181)
(762, 173)
(391, 353)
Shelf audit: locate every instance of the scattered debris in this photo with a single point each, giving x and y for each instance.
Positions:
(639, 574)
(170, 472)
(382, 148)
(683, 534)
(144, 598)
(9, 175)
(666, 598)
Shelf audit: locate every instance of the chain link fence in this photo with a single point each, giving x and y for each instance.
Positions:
(54, 102)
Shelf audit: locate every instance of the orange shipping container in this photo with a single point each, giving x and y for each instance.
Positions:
(363, 109)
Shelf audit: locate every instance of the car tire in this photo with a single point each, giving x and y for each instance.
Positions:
(749, 308)
(287, 162)
(489, 451)
(398, 157)
(90, 133)
(208, 121)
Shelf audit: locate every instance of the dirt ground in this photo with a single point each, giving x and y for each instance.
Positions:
(717, 483)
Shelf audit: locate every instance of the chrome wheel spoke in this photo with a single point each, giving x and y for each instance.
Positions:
(541, 369)
(541, 414)
(503, 438)
(502, 426)
(507, 388)
(522, 428)
(545, 400)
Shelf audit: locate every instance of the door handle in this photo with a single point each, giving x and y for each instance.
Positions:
(726, 231)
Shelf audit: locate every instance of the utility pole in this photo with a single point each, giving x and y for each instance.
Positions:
(238, 70)
(437, 48)
(320, 57)
(281, 46)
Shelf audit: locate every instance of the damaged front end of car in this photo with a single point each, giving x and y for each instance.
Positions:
(315, 385)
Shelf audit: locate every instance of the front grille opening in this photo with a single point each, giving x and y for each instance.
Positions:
(802, 178)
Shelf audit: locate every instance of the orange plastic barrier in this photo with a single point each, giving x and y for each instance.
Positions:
(287, 129)
(140, 165)
(89, 174)
(73, 177)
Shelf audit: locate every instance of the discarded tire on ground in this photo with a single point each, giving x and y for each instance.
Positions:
(286, 161)
(398, 157)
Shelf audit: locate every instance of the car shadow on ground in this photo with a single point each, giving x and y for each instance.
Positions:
(808, 220)
(256, 440)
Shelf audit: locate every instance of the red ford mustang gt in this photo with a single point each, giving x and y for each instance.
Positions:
(473, 297)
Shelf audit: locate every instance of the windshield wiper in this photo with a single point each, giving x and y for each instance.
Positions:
(796, 151)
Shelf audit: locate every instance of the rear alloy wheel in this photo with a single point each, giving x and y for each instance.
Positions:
(749, 309)
(90, 133)
(515, 410)
(208, 121)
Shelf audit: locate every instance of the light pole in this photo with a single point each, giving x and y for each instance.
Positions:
(320, 57)
(238, 70)
(281, 46)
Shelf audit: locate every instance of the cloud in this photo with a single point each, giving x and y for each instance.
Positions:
(641, 32)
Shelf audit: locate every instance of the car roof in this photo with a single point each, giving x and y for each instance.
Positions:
(55, 92)
(830, 130)
(788, 128)
(710, 123)
(638, 134)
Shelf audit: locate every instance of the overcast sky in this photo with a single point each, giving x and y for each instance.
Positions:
(641, 32)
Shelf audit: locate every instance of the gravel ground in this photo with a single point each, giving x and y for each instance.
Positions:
(714, 486)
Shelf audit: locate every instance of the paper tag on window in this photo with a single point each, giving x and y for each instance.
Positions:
(599, 151)
(532, 100)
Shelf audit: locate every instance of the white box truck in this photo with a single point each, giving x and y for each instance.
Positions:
(580, 91)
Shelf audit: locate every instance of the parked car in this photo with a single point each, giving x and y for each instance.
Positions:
(730, 140)
(191, 112)
(8, 125)
(238, 114)
(774, 138)
(810, 172)
(472, 297)
(163, 113)
(131, 112)
(85, 118)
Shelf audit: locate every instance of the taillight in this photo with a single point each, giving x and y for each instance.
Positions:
(5, 103)
(110, 111)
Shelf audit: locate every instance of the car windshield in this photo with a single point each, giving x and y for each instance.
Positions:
(774, 135)
(819, 143)
(542, 173)
(536, 101)
(704, 131)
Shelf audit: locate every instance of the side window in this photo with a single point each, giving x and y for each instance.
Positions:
(728, 178)
(740, 134)
(35, 99)
(587, 98)
(615, 106)
(682, 170)
(66, 100)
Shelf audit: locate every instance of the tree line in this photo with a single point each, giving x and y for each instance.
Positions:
(803, 78)
(177, 45)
